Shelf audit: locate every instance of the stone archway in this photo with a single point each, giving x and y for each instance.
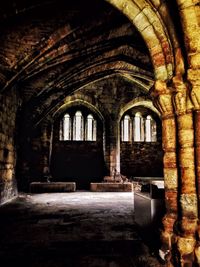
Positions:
(137, 102)
(144, 17)
(174, 101)
(177, 168)
(141, 153)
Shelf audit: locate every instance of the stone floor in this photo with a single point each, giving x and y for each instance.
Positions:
(79, 229)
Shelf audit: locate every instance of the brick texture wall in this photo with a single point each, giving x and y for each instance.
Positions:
(8, 108)
(78, 161)
(141, 159)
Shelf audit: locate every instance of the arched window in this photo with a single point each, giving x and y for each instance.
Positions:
(154, 131)
(79, 128)
(66, 127)
(78, 131)
(150, 129)
(138, 128)
(90, 128)
(126, 128)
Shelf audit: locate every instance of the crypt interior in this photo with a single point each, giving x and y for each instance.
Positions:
(100, 133)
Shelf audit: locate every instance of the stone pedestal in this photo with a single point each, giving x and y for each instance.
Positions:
(53, 187)
(111, 187)
(148, 211)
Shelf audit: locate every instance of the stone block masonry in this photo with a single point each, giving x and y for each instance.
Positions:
(111, 187)
(8, 108)
(37, 187)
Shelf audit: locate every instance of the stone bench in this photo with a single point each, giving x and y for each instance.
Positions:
(111, 187)
(52, 187)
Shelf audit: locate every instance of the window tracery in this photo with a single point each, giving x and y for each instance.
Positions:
(78, 127)
(142, 129)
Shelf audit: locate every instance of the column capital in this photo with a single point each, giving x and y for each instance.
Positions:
(162, 98)
(181, 98)
(193, 77)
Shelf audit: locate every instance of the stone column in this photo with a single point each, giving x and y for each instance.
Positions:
(163, 101)
(186, 239)
(194, 79)
(114, 147)
(189, 14)
(46, 142)
(189, 11)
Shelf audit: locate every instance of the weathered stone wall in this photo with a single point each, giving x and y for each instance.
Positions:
(80, 162)
(110, 96)
(42, 155)
(141, 159)
(33, 154)
(77, 161)
(8, 108)
(107, 97)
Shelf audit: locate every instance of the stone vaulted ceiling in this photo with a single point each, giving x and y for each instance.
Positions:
(50, 49)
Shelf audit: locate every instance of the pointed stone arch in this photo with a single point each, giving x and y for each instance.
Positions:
(140, 101)
(150, 25)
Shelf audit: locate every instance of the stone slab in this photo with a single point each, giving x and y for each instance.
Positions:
(111, 187)
(52, 187)
(148, 211)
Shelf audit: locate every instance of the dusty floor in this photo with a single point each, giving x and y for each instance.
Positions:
(72, 230)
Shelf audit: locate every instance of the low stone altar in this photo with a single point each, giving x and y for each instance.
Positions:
(114, 183)
(111, 187)
(52, 187)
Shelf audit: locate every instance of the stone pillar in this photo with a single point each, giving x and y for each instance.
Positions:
(163, 101)
(114, 147)
(186, 239)
(46, 142)
(197, 154)
(194, 79)
(189, 14)
(197, 151)
(189, 11)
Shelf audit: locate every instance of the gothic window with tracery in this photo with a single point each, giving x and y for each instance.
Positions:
(138, 127)
(77, 127)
